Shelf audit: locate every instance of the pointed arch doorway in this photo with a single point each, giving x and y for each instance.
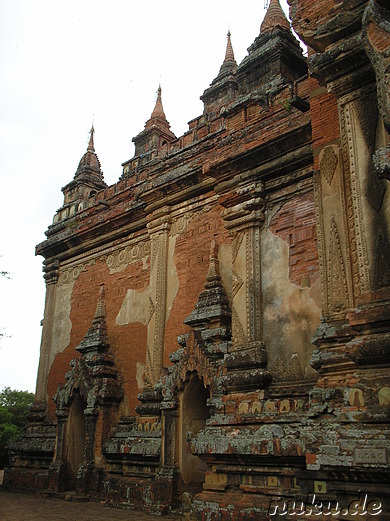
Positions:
(193, 413)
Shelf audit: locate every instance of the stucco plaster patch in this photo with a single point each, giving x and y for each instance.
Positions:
(62, 323)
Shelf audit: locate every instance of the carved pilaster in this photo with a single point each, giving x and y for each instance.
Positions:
(368, 215)
(51, 273)
(332, 231)
(158, 227)
(244, 221)
(351, 218)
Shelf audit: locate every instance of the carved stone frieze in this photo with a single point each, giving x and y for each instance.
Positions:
(181, 219)
(125, 256)
(116, 259)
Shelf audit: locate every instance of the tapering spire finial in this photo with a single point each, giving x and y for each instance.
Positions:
(229, 55)
(213, 277)
(96, 339)
(274, 17)
(158, 111)
(90, 144)
(100, 312)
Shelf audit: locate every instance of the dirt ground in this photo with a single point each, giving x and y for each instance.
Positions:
(16, 506)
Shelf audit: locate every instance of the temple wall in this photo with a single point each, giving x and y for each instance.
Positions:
(235, 282)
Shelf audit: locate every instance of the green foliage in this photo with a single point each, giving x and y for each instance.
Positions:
(14, 408)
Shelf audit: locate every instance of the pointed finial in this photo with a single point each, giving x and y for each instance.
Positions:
(90, 144)
(274, 17)
(100, 312)
(213, 276)
(158, 111)
(229, 55)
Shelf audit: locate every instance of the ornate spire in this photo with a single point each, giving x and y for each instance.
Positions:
(229, 65)
(100, 313)
(157, 130)
(223, 88)
(91, 147)
(96, 339)
(213, 305)
(274, 18)
(158, 117)
(89, 163)
(213, 278)
(158, 111)
(229, 55)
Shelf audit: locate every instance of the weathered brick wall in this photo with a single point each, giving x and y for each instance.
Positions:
(191, 259)
(295, 223)
(127, 341)
(324, 119)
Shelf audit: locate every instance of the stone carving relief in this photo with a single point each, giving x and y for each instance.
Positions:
(237, 283)
(117, 259)
(337, 286)
(237, 241)
(354, 211)
(328, 164)
(291, 371)
(253, 285)
(158, 227)
(239, 336)
(181, 221)
(71, 274)
(320, 239)
(120, 259)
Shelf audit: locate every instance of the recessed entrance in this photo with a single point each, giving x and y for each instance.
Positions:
(75, 438)
(193, 416)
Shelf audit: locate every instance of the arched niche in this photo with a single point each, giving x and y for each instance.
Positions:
(193, 413)
(75, 436)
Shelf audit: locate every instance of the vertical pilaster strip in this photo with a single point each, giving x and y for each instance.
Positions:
(244, 222)
(158, 226)
(253, 281)
(51, 278)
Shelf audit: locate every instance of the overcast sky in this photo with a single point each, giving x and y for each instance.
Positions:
(62, 66)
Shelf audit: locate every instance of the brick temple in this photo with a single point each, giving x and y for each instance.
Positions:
(216, 335)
